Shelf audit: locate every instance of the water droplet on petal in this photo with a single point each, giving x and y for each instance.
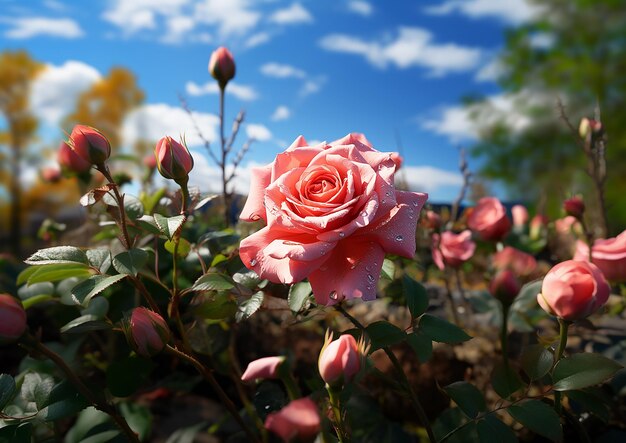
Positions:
(388, 193)
(333, 295)
(399, 238)
(364, 214)
(368, 268)
(342, 234)
(253, 262)
(255, 217)
(370, 278)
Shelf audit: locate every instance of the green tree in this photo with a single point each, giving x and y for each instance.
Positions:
(573, 51)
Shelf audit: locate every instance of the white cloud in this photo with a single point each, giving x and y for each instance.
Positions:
(281, 113)
(232, 17)
(56, 89)
(257, 39)
(428, 178)
(411, 47)
(153, 121)
(312, 86)
(294, 14)
(279, 70)
(242, 92)
(510, 11)
(207, 177)
(542, 40)
(490, 72)
(28, 27)
(137, 15)
(360, 7)
(258, 132)
(178, 27)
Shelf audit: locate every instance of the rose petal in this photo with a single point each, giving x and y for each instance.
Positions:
(355, 265)
(259, 180)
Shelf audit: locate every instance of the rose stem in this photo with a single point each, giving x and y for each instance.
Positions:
(563, 326)
(336, 408)
(504, 334)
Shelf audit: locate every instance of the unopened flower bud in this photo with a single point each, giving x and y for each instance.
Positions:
(70, 161)
(520, 215)
(340, 360)
(574, 206)
(538, 226)
(90, 144)
(222, 66)
(505, 286)
(298, 421)
(12, 319)
(50, 174)
(263, 368)
(147, 332)
(150, 162)
(173, 159)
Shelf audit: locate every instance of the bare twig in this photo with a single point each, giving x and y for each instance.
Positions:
(467, 175)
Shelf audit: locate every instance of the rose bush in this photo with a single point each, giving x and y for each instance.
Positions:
(608, 254)
(332, 213)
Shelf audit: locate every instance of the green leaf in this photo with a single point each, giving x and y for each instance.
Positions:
(421, 344)
(139, 419)
(151, 200)
(442, 331)
(132, 205)
(85, 323)
(537, 361)
(582, 370)
(57, 255)
(98, 306)
(52, 273)
(247, 278)
(169, 225)
(299, 294)
(415, 294)
(591, 402)
(124, 377)
(218, 309)
(213, 281)
(130, 262)
(250, 306)
(467, 397)
(538, 417)
(25, 275)
(491, 429)
(382, 333)
(388, 269)
(99, 259)
(148, 224)
(7, 390)
(35, 290)
(83, 292)
(102, 437)
(62, 409)
(505, 381)
(183, 247)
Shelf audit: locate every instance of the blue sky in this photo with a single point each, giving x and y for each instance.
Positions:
(390, 69)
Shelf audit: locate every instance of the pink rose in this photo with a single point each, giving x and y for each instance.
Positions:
(488, 219)
(452, 249)
(520, 215)
(521, 263)
(90, 144)
(573, 290)
(70, 161)
(505, 286)
(608, 254)
(298, 421)
(566, 224)
(340, 360)
(266, 367)
(147, 333)
(332, 213)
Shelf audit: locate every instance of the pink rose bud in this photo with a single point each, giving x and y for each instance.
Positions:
(537, 226)
(608, 254)
(521, 263)
(90, 144)
(149, 161)
(70, 161)
(574, 206)
(450, 249)
(50, 174)
(489, 220)
(147, 333)
(263, 368)
(298, 421)
(222, 66)
(505, 286)
(173, 159)
(520, 215)
(12, 319)
(573, 290)
(340, 360)
(432, 220)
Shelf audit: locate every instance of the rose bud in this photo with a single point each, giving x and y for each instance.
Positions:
(150, 162)
(452, 249)
(70, 161)
(222, 66)
(90, 144)
(12, 319)
(432, 220)
(50, 174)
(147, 332)
(574, 206)
(264, 368)
(298, 421)
(572, 290)
(608, 254)
(538, 226)
(521, 263)
(520, 215)
(173, 159)
(340, 360)
(505, 286)
(489, 220)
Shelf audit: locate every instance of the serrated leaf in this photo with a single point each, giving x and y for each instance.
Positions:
(467, 397)
(213, 281)
(537, 361)
(53, 273)
(93, 196)
(505, 380)
(247, 278)
(57, 255)
(415, 295)
(582, 370)
(130, 262)
(421, 344)
(169, 225)
(147, 223)
(382, 333)
(491, 429)
(183, 247)
(132, 205)
(388, 269)
(250, 306)
(83, 292)
(538, 417)
(204, 201)
(7, 390)
(85, 323)
(442, 331)
(299, 293)
(99, 259)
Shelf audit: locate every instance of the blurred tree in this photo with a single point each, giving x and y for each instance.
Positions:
(105, 105)
(17, 71)
(575, 51)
